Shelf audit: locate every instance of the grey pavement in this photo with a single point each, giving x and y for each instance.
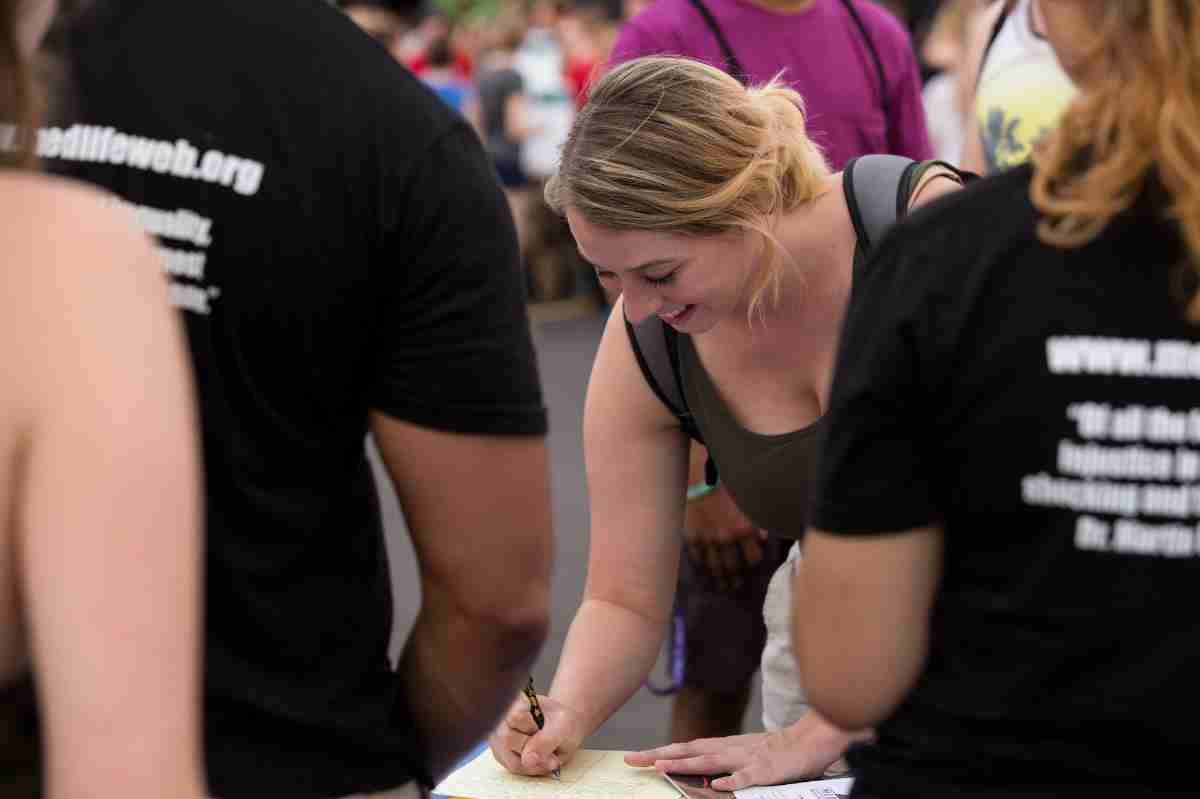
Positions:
(565, 353)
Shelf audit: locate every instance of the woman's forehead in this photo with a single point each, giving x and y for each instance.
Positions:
(610, 246)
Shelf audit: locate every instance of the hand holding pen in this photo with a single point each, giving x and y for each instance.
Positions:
(537, 735)
(539, 718)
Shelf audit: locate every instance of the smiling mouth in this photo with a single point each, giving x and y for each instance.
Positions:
(674, 317)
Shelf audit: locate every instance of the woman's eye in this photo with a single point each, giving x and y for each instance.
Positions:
(663, 280)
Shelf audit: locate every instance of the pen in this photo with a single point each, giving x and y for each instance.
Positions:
(539, 718)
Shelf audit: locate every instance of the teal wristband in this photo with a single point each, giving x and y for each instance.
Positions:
(700, 490)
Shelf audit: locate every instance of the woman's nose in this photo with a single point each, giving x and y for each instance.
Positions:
(640, 302)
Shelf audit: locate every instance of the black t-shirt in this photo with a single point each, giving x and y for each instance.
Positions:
(1043, 407)
(337, 242)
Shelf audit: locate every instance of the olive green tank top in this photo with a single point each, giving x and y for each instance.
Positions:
(768, 476)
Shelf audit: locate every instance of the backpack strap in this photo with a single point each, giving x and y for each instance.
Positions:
(876, 60)
(656, 347)
(879, 188)
(874, 188)
(731, 61)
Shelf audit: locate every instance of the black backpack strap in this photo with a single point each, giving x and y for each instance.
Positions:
(879, 188)
(735, 66)
(656, 347)
(873, 185)
(879, 71)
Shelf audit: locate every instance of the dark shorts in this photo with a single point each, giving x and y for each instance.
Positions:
(724, 629)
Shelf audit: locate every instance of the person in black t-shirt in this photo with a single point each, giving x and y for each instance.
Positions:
(345, 263)
(1003, 569)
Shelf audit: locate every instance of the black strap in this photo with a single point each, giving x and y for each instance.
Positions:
(735, 66)
(879, 189)
(883, 88)
(656, 347)
(874, 186)
(997, 26)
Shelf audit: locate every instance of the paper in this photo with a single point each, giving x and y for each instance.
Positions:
(591, 774)
(817, 789)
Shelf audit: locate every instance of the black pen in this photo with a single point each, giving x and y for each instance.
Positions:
(539, 718)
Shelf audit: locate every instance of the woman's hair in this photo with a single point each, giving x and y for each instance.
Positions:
(1139, 117)
(19, 107)
(674, 145)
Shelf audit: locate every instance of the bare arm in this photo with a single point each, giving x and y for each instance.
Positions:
(478, 511)
(108, 516)
(860, 616)
(637, 467)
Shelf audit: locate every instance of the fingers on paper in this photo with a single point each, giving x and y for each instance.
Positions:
(736, 781)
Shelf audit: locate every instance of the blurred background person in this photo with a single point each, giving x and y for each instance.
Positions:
(345, 265)
(506, 120)
(440, 75)
(100, 549)
(854, 66)
(991, 579)
(1018, 87)
(947, 92)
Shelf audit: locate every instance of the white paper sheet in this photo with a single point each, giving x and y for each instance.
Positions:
(591, 774)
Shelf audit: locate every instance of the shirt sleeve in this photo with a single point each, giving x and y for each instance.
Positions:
(455, 350)
(874, 473)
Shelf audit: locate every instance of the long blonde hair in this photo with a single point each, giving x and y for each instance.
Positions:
(675, 145)
(1141, 115)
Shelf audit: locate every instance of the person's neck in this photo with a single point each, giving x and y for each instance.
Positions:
(784, 6)
(818, 284)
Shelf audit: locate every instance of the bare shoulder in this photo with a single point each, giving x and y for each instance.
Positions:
(618, 393)
(50, 213)
(82, 285)
(62, 236)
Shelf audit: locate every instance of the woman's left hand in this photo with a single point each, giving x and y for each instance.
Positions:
(802, 750)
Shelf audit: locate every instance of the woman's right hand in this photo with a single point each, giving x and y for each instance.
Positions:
(524, 749)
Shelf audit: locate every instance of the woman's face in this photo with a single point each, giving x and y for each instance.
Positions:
(690, 282)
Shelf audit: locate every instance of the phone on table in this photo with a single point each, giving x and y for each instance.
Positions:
(696, 786)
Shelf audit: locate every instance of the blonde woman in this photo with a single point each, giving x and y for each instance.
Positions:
(709, 207)
(1002, 575)
(100, 545)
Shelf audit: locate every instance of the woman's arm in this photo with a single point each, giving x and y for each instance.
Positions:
(637, 468)
(860, 620)
(108, 516)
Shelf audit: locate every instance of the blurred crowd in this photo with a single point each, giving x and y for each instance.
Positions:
(519, 70)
